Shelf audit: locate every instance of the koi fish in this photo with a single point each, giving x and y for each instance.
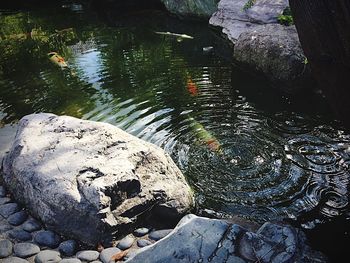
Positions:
(57, 59)
(206, 137)
(178, 36)
(192, 87)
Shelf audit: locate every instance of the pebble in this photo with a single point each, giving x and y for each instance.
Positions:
(2, 191)
(31, 225)
(4, 200)
(141, 232)
(5, 228)
(126, 242)
(48, 256)
(68, 248)
(107, 253)
(130, 255)
(14, 260)
(17, 218)
(20, 235)
(25, 250)
(88, 255)
(70, 260)
(143, 242)
(5, 248)
(159, 234)
(47, 238)
(8, 209)
(96, 261)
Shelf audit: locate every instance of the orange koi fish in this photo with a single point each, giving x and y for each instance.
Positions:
(192, 87)
(57, 59)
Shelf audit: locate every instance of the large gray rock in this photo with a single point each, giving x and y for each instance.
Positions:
(198, 239)
(191, 8)
(261, 43)
(274, 50)
(88, 180)
(235, 19)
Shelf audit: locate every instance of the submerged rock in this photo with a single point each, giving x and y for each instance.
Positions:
(199, 239)
(191, 8)
(88, 180)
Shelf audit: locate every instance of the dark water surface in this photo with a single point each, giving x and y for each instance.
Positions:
(244, 148)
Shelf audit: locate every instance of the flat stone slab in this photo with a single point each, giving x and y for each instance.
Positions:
(89, 180)
(199, 239)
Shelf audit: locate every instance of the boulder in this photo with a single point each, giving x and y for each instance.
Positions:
(199, 239)
(191, 8)
(261, 44)
(234, 18)
(274, 50)
(90, 180)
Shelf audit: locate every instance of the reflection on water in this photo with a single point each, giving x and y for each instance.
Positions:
(242, 148)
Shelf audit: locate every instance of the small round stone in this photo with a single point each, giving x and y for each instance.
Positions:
(70, 260)
(126, 242)
(159, 234)
(8, 209)
(24, 250)
(5, 227)
(107, 253)
(48, 256)
(14, 260)
(143, 242)
(130, 254)
(5, 248)
(68, 248)
(17, 218)
(20, 235)
(96, 261)
(31, 225)
(88, 255)
(141, 232)
(4, 200)
(47, 238)
(2, 191)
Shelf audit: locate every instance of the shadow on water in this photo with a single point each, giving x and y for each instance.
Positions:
(245, 148)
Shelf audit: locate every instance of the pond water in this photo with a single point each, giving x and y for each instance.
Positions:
(244, 147)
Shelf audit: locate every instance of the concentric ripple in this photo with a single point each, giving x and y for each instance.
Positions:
(238, 157)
